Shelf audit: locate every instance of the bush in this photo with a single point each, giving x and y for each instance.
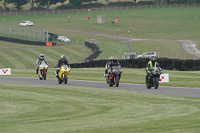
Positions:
(83, 6)
(1, 9)
(145, 3)
(39, 8)
(120, 3)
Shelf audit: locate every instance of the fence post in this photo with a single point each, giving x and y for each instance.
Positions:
(10, 29)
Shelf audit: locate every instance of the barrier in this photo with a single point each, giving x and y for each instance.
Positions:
(48, 43)
(95, 49)
(25, 41)
(165, 63)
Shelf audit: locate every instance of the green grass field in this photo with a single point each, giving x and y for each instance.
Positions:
(24, 56)
(36, 109)
(161, 23)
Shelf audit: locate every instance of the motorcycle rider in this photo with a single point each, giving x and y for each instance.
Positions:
(61, 61)
(112, 62)
(39, 61)
(151, 64)
(106, 66)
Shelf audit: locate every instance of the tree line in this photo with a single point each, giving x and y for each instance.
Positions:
(47, 3)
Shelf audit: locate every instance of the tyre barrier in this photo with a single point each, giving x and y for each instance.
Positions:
(95, 49)
(8, 39)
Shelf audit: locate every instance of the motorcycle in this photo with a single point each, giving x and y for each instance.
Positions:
(63, 74)
(153, 78)
(43, 71)
(114, 76)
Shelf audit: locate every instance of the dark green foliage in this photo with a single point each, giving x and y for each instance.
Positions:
(120, 3)
(48, 3)
(18, 3)
(76, 2)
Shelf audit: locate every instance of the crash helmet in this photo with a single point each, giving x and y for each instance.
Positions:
(153, 59)
(114, 59)
(63, 57)
(41, 56)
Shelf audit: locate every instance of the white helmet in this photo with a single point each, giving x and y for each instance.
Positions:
(41, 56)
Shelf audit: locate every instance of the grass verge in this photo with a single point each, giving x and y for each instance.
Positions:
(36, 109)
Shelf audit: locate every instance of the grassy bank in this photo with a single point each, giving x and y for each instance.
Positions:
(36, 109)
(161, 23)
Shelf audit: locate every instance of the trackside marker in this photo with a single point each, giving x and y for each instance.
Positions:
(164, 78)
(5, 71)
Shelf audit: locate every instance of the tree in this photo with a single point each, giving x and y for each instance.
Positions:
(4, 3)
(106, 1)
(89, 1)
(18, 3)
(76, 2)
(158, 1)
(31, 3)
(48, 3)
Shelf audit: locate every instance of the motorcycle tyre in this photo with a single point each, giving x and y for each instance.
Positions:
(44, 75)
(65, 79)
(59, 80)
(40, 78)
(156, 83)
(110, 84)
(148, 86)
(117, 81)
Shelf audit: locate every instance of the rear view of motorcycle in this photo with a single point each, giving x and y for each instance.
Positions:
(114, 76)
(153, 79)
(63, 74)
(43, 71)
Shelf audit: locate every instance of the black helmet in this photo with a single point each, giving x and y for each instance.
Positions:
(114, 59)
(41, 57)
(153, 59)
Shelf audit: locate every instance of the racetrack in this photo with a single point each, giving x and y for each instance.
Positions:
(165, 90)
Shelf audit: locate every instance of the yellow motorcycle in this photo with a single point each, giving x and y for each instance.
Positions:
(43, 71)
(63, 74)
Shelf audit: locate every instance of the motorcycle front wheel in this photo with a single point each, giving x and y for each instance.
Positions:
(60, 80)
(117, 81)
(65, 79)
(156, 83)
(44, 75)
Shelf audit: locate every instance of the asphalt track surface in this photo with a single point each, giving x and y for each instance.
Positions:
(164, 90)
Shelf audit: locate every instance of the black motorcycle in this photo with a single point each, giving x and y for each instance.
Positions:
(153, 78)
(114, 76)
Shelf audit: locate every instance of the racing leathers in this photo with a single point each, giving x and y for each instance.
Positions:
(60, 63)
(150, 67)
(38, 63)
